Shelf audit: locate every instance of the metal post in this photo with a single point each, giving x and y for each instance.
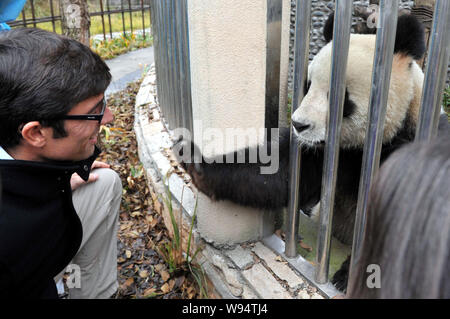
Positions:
(273, 50)
(103, 19)
(436, 73)
(341, 41)
(123, 18)
(109, 19)
(131, 16)
(33, 14)
(381, 76)
(53, 15)
(301, 60)
(143, 22)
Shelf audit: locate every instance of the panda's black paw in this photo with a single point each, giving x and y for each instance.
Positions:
(340, 278)
(187, 153)
(190, 158)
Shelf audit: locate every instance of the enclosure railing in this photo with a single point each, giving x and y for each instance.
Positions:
(106, 9)
(170, 28)
(432, 93)
(171, 45)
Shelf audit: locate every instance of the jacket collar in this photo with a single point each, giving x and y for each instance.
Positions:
(82, 168)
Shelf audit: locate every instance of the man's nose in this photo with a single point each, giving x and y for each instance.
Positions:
(108, 116)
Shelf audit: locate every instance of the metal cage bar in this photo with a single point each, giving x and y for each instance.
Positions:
(109, 18)
(273, 52)
(33, 14)
(381, 76)
(103, 19)
(301, 60)
(131, 15)
(53, 15)
(171, 41)
(34, 21)
(341, 42)
(143, 20)
(436, 73)
(122, 11)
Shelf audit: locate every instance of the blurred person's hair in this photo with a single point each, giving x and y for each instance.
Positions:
(408, 226)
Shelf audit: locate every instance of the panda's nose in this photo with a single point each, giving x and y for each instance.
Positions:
(300, 127)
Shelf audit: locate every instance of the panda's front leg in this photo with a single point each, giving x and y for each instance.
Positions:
(247, 183)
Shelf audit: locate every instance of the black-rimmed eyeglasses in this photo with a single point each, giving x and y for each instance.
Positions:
(90, 117)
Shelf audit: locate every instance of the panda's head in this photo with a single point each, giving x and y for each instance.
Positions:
(310, 119)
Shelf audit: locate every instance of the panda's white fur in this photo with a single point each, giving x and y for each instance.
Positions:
(404, 94)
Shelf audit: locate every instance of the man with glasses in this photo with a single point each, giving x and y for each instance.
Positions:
(59, 206)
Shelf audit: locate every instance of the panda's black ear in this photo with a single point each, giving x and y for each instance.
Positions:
(328, 28)
(410, 38)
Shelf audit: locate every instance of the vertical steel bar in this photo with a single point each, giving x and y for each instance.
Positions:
(181, 77)
(131, 16)
(156, 41)
(53, 15)
(171, 51)
(123, 17)
(188, 122)
(273, 52)
(109, 18)
(175, 67)
(33, 15)
(301, 60)
(381, 77)
(341, 41)
(165, 46)
(103, 19)
(156, 8)
(143, 21)
(436, 72)
(24, 19)
(165, 65)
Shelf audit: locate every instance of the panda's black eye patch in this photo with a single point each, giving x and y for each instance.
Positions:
(349, 105)
(306, 88)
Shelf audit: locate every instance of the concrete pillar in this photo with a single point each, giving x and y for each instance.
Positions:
(227, 41)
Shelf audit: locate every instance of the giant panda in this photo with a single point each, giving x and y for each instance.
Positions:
(243, 183)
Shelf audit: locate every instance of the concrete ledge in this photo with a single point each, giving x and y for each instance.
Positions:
(247, 270)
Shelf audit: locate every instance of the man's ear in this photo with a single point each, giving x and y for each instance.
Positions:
(35, 135)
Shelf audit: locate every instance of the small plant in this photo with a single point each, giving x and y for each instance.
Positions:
(173, 254)
(110, 48)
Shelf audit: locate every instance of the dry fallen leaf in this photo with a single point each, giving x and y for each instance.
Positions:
(165, 288)
(150, 292)
(164, 275)
(136, 214)
(128, 283)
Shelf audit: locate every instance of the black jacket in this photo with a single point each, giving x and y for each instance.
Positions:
(40, 231)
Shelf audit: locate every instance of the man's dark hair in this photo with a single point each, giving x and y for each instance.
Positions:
(43, 75)
(408, 226)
